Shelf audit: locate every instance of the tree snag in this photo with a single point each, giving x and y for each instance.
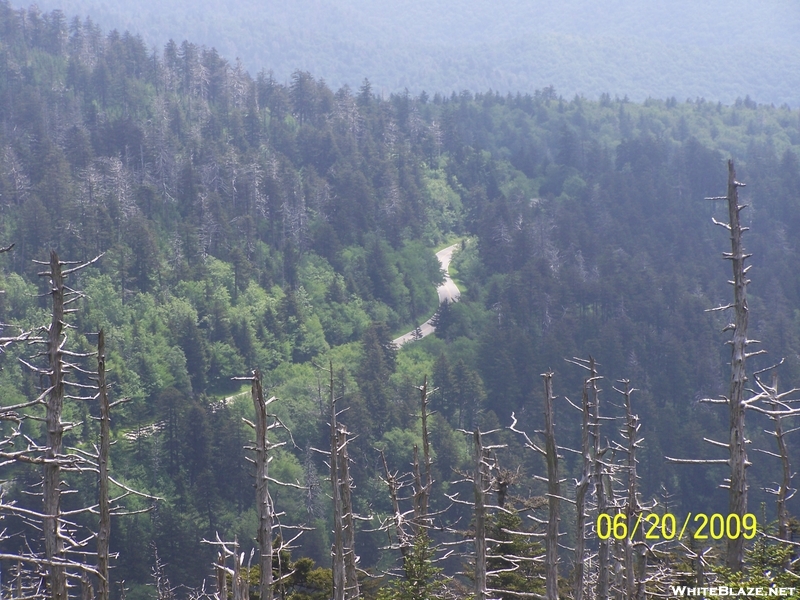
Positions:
(737, 498)
(104, 526)
(553, 491)
(53, 540)
(480, 486)
(263, 500)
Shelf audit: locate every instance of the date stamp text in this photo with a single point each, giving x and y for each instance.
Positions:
(654, 526)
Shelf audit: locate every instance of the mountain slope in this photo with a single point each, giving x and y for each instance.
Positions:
(716, 50)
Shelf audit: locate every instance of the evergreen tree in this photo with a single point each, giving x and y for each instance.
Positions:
(512, 555)
(377, 365)
(423, 580)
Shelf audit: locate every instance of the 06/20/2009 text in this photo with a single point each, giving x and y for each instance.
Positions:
(654, 526)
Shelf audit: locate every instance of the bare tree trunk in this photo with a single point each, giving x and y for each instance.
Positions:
(53, 540)
(635, 553)
(599, 484)
(409, 543)
(783, 490)
(345, 572)
(66, 546)
(104, 527)
(338, 559)
(777, 410)
(737, 503)
(419, 494)
(391, 482)
(348, 519)
(618, 587)
(697, 562)
(239, 583)
(87, 590)
(553, 492)
(263, 501)
(222, 578)
(581, 488)
(423, 491)
(737, 454)
(426, 446)
(479, 486)
(631, 506)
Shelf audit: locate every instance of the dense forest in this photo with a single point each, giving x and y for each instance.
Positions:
(244, 224)
(717, 49)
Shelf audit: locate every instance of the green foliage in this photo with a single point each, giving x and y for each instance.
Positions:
(297, 579)
(767, 564)
(249, 224)
(640, 51)
(523, 575)
(309, 582)
(422, 580)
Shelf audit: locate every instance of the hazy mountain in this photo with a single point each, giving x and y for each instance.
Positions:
(717, 50)
(247, 224)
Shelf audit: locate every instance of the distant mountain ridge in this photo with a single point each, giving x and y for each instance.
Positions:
(715, 50)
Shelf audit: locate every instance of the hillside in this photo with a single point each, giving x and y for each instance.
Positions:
(714, 50)
(246, 224)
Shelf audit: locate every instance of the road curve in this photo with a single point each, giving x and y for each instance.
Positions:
(448, 291)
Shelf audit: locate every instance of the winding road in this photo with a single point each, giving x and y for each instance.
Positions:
(448, 291)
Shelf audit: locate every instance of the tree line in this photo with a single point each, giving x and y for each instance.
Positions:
(248, 224)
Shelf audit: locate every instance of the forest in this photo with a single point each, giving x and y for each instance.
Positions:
(717, 49)
(249, 249)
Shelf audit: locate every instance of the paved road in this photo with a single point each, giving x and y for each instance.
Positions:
(447, 291)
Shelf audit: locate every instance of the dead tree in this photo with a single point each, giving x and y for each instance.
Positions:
(737, 405)
(550, 454)
(398, 519)
(737, 503)
(264, 508)
(596, 472)
(609, 470)
(107, 506)
(422, 490)
(222, 577)
(409, 525)
(53, 537)
(553, 490)
(24, 581)
(784, 491)
(64, 553)
(581, 489)
(104, 526)
(164, 589)
(481, 481)
(343, 556)
(348, 515)
(338, 555)
(238, 573)
(777, 407)
(486, 477)
(67, 553)
(635, 552)
(598, 478)
(481, 484)
(60, 541)
(26, 578)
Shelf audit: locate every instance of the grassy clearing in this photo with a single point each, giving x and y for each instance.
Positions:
(454, 276)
